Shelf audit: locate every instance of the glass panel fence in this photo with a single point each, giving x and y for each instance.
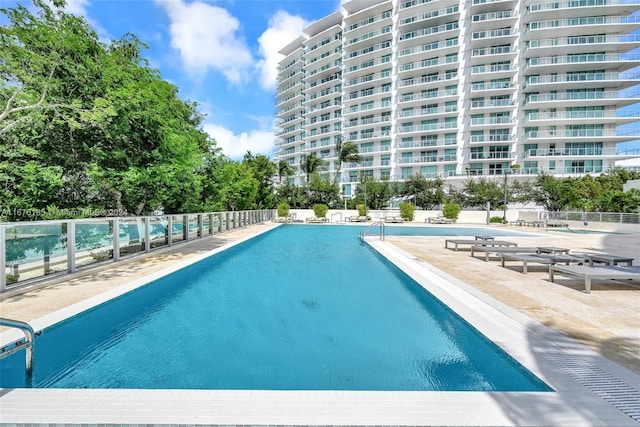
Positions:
(93, 241)
(34, 250)
(178, 229)
(207, 225)
(194, 227)
(158, 231)
(131, 236)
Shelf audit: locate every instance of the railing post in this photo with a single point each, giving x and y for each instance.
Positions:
(185, 228)
(3, 258)
(200, 226)
(147, 234)
(211, 224)
(116, 239)
(228, 225)
(71, 246)
(169, 230)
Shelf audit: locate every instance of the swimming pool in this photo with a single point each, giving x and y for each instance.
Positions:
(298, 308)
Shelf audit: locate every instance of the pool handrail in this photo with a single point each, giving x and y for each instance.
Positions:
(382, 230)
(28, 344)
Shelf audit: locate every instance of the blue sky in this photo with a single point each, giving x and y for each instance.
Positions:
(221, 54)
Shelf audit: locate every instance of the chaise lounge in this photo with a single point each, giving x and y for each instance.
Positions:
(316, 220)
(476, 242)
(589, 273)
(393, 219)
(547, 259)
(439, 220)
(498, 250)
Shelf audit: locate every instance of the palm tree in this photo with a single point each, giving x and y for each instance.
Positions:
(284, 170)
(347, 152)
(312, 164)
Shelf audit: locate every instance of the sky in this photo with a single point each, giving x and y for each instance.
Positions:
(221, 54)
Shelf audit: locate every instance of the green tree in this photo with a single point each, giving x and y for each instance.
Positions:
(238, 189)
(285, 170)
(377, 193)
(477, 192)
(312, 164)
(550, 193)
(95, 117)
(347, 152)
(321, 191)
(263, 171)
(425, 193)
(291, 194)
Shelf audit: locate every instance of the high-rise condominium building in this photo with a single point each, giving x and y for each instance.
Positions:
(457, 88)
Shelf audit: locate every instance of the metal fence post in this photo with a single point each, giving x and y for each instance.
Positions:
(147, 234)
(116, 239)
(71, 246)
(169, 230)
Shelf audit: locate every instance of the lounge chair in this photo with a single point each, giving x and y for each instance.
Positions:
(283, 219)
(316, 220)
(393, 219)
(607, 259)
(547, 259)
(555, 223)
(590, 273)
(439, 220)
(357, 218)
(487, 249)
(476, 242)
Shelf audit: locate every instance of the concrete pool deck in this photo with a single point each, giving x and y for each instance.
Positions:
(544, 325)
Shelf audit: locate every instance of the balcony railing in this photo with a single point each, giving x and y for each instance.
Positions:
(578, 152)
(583, 133)
(591, 114)
(33, 250)
(580, 96)
(581, 77)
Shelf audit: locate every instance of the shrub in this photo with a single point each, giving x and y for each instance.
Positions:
(362, 210)
(283, 209)
(496, 220)
(406, 211)
(451, 210)
(320, 210)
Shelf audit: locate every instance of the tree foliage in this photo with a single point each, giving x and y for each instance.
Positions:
(347, 152)
(425, 193)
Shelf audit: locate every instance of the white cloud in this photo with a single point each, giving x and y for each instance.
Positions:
(283, 29)
(77, 7)
(206, 37)
(260, 141)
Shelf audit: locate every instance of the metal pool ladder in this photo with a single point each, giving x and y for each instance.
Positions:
(27, 344)
(382, 230)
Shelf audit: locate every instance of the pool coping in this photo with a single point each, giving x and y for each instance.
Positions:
(527, 340)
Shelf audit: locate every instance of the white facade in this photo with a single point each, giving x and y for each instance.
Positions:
(452, 88)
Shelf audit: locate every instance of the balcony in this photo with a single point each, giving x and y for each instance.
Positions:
(581, 152)
(582, 80)
(600, 98)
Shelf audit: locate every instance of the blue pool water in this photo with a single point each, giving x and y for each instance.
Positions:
(301, 307)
